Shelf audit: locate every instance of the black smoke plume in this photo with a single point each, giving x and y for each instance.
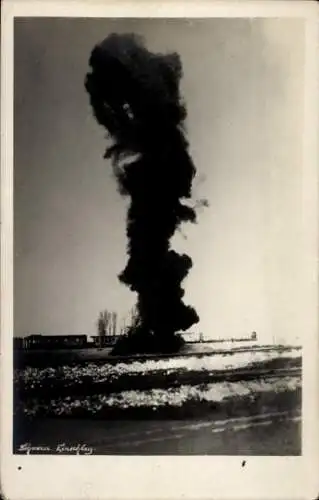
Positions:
(135, 96)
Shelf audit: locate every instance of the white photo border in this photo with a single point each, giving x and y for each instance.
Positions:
(164, 477)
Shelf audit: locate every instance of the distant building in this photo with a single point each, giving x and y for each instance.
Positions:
(218, 340)
(40, 341)
(104, 341)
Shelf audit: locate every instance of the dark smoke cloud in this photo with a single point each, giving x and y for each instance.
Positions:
(135, 96)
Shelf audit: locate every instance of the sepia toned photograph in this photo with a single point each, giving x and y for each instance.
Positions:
(157, 173)
(159, 233)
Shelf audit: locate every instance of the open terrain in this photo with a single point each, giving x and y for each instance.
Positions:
(241, 401)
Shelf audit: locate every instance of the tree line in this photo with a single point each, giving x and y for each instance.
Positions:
(108, 323)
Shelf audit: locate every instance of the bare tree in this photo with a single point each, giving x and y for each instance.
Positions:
(114, 323)
(107, 324)
(101, 326)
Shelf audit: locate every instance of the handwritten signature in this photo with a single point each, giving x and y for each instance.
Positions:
(77, 449)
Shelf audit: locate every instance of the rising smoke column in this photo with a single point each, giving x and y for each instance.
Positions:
(135, 96)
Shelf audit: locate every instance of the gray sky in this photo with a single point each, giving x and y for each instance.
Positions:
(243, 85)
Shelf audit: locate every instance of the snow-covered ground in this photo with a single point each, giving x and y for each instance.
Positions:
(161, 398)
(104, 372)
(94, 400)
(228, 346)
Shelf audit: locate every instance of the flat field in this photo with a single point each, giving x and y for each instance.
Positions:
(161, 385)
(239, 401)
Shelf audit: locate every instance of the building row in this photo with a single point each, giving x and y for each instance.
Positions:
(40, 341)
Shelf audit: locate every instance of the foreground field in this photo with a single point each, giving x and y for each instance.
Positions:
(243, 421)
(238, 402)
(155, 385)
(152, 373)
(186, 400)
